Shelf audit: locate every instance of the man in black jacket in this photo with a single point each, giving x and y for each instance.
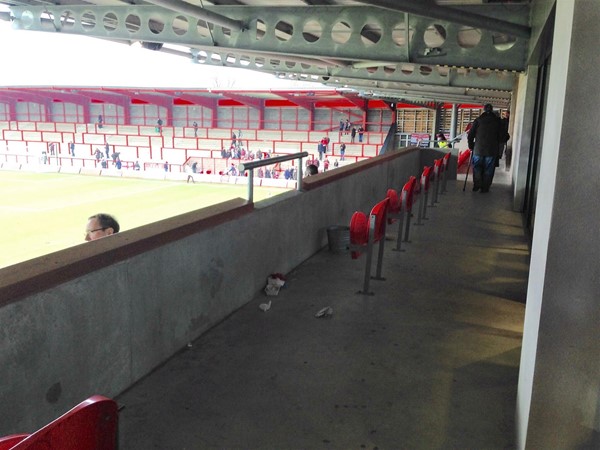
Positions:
(485, 137)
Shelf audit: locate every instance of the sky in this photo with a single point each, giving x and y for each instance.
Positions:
(55, 59)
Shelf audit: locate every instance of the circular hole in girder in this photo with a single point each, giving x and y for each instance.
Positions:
(341, 32)
(203, 28)
(230, 59)
(67, 20)
(425, 70)
(261, 29)
(88, 20)
(110, 21)
(245, 60)
(370, 34)
(274, 62)
(401, 36)
(226, 32)
(503, 42)
(215, 58)
(180, 25)
(389, 69)
(407, 69)
(259, 61)
(202, 56)
(284, 31)
(26, 19)
(468, 37)
(156, 26)
(133, 23)
(290, 64)
(434, 36)
(47, 19)
(312, 31)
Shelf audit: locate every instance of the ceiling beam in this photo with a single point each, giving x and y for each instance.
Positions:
(200, 13)
(300, 99)
(428, 8)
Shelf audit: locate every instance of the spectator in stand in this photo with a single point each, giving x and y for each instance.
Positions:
(107, 150)
(118, 163)
(326, 164)
(311, 169)
(101, 225)
(51, 148)
(166, 166)
(195, 125)
(100, 121)
(353, 134)
(71, 149)
(159, 123)
(441, 141)
(485, 137)
(342, 151)
(341, 126)
(194, 167)
(98, 154)
(136, 166)
(348, 126)
(361, 132)
(336, 163)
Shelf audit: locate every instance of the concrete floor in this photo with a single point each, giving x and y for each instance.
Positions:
(430, 361)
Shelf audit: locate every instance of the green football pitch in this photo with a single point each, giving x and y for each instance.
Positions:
(43, 213)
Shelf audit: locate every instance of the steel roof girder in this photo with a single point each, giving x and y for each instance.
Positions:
(306, 32)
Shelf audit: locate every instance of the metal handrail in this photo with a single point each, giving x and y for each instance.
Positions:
(250, 166)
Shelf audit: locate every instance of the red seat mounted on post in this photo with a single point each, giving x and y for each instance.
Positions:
(380, 213)
(359, 232)
(463, 157)
(395, 205)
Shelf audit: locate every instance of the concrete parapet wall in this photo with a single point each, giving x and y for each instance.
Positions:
(95, 318)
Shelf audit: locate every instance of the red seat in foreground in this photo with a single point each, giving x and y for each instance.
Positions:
(366, 231)
(91, 425)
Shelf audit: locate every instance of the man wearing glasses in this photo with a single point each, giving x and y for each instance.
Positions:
(101, 225)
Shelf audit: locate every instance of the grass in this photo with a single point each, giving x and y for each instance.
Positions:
(44, 213)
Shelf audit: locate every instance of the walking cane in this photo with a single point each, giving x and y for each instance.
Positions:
(467, 176)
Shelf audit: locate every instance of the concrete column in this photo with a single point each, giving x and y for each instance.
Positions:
(558, 400)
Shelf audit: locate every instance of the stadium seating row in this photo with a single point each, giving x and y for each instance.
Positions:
(366, 231)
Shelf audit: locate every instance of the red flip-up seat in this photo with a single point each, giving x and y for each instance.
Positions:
(395, 204)
(8, 442)
(463, 157)
(359, 232)
(91, 425)
(426, 178)
(380, 212)
(407, 195)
